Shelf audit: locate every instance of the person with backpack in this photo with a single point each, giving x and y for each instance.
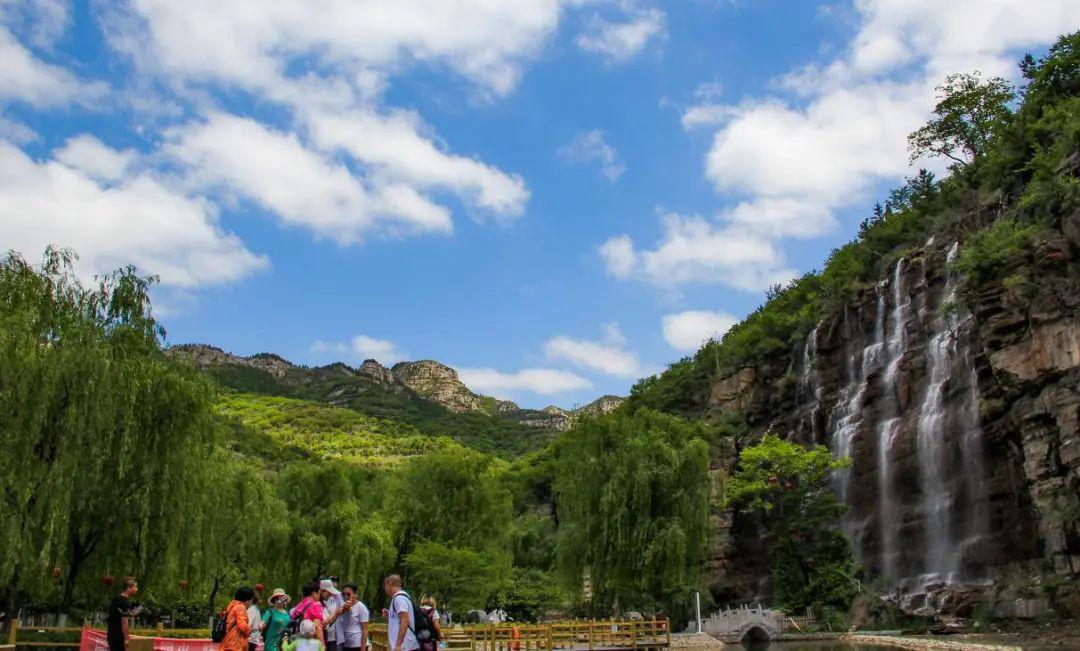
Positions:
(275, 619)
(309, 610)
(401, 618)
(429, 612)
(236, 625)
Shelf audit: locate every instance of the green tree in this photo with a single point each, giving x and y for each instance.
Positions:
(632, 502)
(96, 421)
(788, 486)
(460, 578)
(969, 113)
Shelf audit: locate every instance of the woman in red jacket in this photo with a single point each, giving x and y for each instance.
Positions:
(237, 627)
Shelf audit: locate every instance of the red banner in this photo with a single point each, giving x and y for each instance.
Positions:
(93, 639)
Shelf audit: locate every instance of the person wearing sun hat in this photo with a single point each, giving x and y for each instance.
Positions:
(331, 603)
(275, 619)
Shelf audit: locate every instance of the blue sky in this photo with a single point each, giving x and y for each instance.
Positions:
(553, 196)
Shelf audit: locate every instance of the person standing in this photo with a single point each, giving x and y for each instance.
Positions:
(237, 626)
(274, 620)
(428, 609)
(121, 610)
(331, 601)
(255, 621)
(400, 616)
(310, 610)
(354, 620)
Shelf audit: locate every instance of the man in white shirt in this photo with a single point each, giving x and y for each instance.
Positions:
(400, 616)
(353, 619)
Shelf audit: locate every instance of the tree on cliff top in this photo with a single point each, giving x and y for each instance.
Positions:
(788, 486)
(969, 113)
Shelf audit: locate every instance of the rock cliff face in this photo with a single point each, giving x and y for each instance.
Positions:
(961, 415)
(438, 383)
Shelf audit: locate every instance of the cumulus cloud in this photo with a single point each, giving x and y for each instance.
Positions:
(94, 158)
(303, 187)
(26, 78)
(695, 250)
(136, 219)
(687, 331)
(609, 355)
(590, 147)
(361, 347)
(620, 41)
(544, 381)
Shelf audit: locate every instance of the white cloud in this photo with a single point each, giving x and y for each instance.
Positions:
(619, 256)
(94, 158)
(544, 381)
(687, 331)
(26, 78)
(695, 250)
(608, 356)
(590, 147)
(361, 347)
(249, 42)
(17, 132)
(136, 220)
(620, 41)
(275, 170)
(397, 152)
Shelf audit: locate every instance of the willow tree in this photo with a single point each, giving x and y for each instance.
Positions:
(632, 496)
(97, 424)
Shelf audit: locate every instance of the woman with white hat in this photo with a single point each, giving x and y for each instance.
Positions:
(275, 619)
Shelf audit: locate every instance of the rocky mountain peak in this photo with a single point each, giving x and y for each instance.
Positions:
(438, 383)
(377, 371)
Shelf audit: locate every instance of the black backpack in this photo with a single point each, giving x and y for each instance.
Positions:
(221, 627)
(419, 623)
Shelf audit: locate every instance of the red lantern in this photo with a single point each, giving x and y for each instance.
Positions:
(107, 580)
(259, 587)
(183, 584)
(56, 571)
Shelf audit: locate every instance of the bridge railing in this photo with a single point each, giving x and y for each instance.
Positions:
(548, 636)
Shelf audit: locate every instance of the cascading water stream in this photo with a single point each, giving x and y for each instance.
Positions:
(896, 346)
(810, 388)
(933, 447)
(847, 415)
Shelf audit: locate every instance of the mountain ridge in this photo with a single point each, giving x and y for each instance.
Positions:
(426, 380)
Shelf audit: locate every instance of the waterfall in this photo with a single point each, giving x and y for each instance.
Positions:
(810, 388)
(847, 414)
(933, 447)
(896, 346)
(948, 365)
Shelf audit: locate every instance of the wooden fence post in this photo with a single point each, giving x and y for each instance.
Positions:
(13, 630)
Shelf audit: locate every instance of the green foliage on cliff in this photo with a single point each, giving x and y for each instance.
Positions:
(632, 495)
(787, 485)
(1016, 176)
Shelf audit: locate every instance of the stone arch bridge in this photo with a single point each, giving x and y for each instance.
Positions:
(733, 625)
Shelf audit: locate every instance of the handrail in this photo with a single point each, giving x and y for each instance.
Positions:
(549, 636)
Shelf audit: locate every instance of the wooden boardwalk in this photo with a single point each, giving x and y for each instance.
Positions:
(598, 635)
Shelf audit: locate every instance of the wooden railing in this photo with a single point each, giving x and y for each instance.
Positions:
(553, 636)
(15, 627)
